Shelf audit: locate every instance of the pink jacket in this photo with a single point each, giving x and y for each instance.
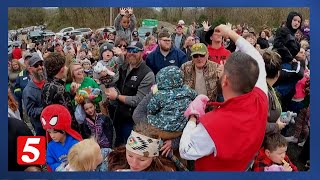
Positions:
(300, 94)
(148, 49)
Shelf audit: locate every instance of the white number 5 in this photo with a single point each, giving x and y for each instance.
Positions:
(31, 149)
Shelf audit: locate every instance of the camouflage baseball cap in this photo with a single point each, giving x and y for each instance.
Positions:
(199, 48)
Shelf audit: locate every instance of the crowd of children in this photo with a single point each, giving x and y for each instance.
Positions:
(92, 73)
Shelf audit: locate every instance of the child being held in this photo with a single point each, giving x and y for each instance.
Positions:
(167, 106)
(272, 157)
(106, 70)
(87, 156)
(125, 23)
(56, 120)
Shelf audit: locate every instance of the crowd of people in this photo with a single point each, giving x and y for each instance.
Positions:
(201, 99)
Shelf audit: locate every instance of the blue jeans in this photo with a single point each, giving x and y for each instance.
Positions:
(123, 132)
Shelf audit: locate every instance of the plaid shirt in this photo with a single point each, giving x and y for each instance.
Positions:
(263, 161)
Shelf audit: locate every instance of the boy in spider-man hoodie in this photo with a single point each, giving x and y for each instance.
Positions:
(56, 120)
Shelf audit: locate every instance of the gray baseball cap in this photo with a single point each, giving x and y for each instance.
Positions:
(34, 59)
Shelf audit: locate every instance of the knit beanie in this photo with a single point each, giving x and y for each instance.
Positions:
(104, 47)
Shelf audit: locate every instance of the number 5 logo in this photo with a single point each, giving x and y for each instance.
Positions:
(31, 150)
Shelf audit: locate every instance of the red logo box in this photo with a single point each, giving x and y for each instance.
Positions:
(31, 150)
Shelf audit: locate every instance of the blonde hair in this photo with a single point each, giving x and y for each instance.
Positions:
(21, 66)
(69, 78)
(82, 156)
(304, 44)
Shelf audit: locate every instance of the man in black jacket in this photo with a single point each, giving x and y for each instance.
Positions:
(135, 81)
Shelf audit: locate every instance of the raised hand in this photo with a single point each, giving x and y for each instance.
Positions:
(123, 11)
(117, 50)
(130, 10)
(223, 30)
(205, 25)
(221, 68)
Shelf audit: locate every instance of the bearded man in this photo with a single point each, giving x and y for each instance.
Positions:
(32, 93)
(135, 81)
(165, 54)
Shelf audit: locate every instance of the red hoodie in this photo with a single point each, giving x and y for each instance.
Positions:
(16, 53)
(217, 55)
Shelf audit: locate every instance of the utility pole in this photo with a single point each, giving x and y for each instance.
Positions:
(111, 16)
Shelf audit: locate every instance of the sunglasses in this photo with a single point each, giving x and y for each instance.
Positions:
(37, 65)
(133, 50)
(197, 55)
(122, 45)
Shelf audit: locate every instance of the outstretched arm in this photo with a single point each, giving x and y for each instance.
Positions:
(245, 47)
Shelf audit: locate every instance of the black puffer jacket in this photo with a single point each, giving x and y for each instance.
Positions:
(285, 43)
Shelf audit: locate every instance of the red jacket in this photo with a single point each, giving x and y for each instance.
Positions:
(263, 161)
(217, 55)
(16, 53)
(237, 128)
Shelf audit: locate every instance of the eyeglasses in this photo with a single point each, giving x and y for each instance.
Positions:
(37, 65)
(166, 40)
(122, 45)
(133, 50)
(197, 55)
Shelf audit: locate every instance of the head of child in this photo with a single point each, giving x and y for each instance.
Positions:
(169, 78)
(106, 52)
(89, 108)
(57, 135)
(140, 159)
(56, 120)
(82, 53)
(275, 146)
(304, 44)
(93, 42)
(112, 36)
(86, 64)
(301, 56)
(85, 155)
(125, 22)
(151, 40)
(306, 23)
(250, 38)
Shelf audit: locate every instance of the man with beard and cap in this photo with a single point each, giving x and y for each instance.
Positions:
(135, 81)
(32, 93)
(165, 54)
(228, 137)
(292, 70)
